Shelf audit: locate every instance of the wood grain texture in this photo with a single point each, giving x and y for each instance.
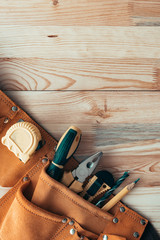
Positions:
(79, 42)
(65, 12)
(145, 13)
(91, 107)
(80, 12)
(70, 74)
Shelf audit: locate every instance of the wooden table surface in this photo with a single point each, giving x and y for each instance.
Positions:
(94, 64)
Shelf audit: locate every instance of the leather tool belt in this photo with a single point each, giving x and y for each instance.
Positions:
(40, 208)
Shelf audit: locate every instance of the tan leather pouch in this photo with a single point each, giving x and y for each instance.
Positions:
(38, 207)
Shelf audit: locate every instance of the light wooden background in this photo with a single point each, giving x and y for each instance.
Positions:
(95, 64)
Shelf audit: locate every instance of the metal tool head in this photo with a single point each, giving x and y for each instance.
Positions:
(86, 167)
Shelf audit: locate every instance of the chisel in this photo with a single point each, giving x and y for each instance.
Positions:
(66, 147)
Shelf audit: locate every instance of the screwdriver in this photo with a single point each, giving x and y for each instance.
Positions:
(66, 147)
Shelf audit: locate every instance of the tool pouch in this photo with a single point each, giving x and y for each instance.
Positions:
(39, 207)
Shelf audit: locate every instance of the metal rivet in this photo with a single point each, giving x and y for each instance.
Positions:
(143, 222)
(105, 237)
(14, 108)
(6, 120)
(71, 222)
(115, 220)
(64, 220)
(25, 179)
(72, 231)
(44, 160)
(122, 209)
(136, 234)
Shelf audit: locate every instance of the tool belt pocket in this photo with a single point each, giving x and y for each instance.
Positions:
(55, 212)
(58, 199)
(26, 220)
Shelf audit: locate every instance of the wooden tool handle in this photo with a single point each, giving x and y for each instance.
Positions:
(76, 186)
(69, 181)
(67, 178)
(115, 199)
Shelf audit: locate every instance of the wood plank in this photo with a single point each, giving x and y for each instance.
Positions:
(91, 107)
(71, 74)
(124, 125)
(80, 12)
(145, 13)
(65, 12)
(79, 42)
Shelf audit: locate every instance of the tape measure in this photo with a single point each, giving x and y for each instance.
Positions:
(22, 139)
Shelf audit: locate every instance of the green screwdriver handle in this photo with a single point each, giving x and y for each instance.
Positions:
(64, 150)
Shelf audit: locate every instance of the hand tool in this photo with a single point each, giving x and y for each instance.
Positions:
(98, 184)
(119, 196)
(109, 192)
(75, 179)
(41, 142)
(22, 138)
(66, 147)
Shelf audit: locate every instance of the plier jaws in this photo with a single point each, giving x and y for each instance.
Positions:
(86, 167)
(74, 180)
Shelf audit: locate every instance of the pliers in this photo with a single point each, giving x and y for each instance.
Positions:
(75, 179)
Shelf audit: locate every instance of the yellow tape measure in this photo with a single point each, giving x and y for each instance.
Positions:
(22, 139)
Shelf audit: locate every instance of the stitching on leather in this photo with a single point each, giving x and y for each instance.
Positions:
(78, 227)
(3, 99)
(131, 216)
(35, 169)
(66, 235)
(130, 213)
(22, 205)
(8, 103)
(77, 232)
(59, 232)
(65, 195)
(141, 230)
(14, 189)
